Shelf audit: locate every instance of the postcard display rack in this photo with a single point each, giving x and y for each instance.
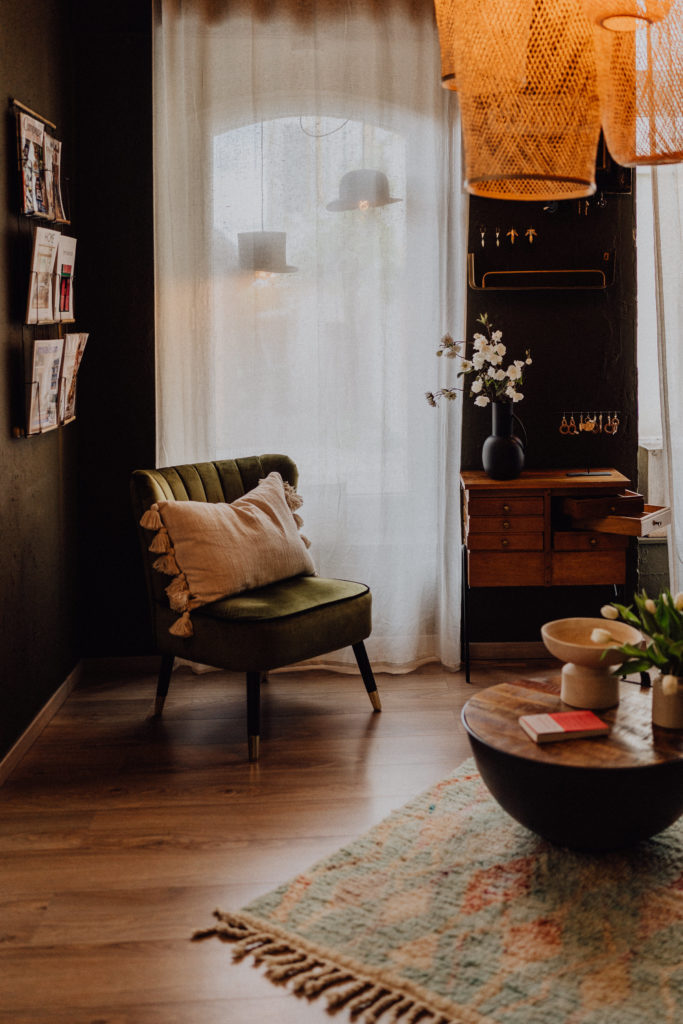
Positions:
(51, 351)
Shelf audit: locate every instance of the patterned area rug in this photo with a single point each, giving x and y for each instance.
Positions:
(449, 912)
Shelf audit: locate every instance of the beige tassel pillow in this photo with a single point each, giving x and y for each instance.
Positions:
(214, 550)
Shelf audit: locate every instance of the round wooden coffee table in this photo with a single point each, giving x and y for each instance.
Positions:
(591, 794)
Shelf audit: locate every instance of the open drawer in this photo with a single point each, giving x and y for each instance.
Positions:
(653, 517)
(627, 503)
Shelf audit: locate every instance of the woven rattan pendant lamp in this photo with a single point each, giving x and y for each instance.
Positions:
(488, 50)
(639, 51)
(526, 78)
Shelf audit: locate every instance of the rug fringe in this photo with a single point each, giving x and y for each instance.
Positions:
(365, 999)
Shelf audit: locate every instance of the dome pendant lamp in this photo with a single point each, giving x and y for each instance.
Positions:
(363, 189)
(639, 51)
(526, 78)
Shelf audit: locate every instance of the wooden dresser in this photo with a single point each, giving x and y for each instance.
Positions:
(550, 528)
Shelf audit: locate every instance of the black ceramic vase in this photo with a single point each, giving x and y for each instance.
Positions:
(503, 453)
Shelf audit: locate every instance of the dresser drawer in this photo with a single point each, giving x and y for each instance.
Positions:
(628, 503)
(505, 524)
(505, 542)
(653, 517)
(588, 568)
(584, 540)
(496, 569)
(502, 506)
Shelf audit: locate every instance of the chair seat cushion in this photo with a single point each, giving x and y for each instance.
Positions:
(287, 597)
(279, 624)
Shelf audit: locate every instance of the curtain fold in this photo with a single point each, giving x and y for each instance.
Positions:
(260, 111)
(667, 198)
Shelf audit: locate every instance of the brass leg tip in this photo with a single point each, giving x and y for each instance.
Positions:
(375, 701)
(254, 745)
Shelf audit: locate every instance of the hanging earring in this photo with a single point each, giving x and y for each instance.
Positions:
(564, 426)
(482, 232)
(572, 425)
(497, 238)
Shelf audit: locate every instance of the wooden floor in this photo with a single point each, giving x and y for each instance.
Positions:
(120, 833)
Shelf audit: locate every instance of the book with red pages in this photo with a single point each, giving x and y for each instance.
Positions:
(563, 725)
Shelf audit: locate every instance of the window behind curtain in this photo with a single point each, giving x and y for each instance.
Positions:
(257, 120)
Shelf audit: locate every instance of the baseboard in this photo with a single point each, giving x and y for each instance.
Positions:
(518, 650)
(31, 734)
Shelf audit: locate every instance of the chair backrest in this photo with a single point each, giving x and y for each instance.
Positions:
(200, 481)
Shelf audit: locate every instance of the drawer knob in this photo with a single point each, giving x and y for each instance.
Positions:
(506, 524)
(506, 508)
(593, 541)
(505, 542)
(656, 522)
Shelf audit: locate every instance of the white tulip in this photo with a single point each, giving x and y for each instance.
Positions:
(678, 602)
(601, 636)
(608, 611)
(650, 606)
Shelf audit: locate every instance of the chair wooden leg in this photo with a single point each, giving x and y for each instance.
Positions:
(163, 682)
(366, 673)
(254, 714)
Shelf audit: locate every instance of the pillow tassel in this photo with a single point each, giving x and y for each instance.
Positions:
(305, 540)
(182, 626)
(151, 520)
(178, 602)
(178, 585)
(167, 564)
(161, 543)
(297, 519)
(294, 500)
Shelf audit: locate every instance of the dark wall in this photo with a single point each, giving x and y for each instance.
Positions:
(38, 513)
(70, 582)
(583, 346)
(116, 411)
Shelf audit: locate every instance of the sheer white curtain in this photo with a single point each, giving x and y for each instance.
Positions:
(667, 195)
(259, 112)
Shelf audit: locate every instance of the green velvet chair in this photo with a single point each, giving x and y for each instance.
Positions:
(258, 630)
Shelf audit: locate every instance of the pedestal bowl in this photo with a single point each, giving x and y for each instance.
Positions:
(587, 680)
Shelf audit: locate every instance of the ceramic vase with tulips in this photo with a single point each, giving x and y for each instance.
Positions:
(660, 621)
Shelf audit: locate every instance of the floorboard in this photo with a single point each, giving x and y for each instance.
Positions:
(120, 833)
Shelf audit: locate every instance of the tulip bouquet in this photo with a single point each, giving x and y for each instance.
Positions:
(661, 622)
